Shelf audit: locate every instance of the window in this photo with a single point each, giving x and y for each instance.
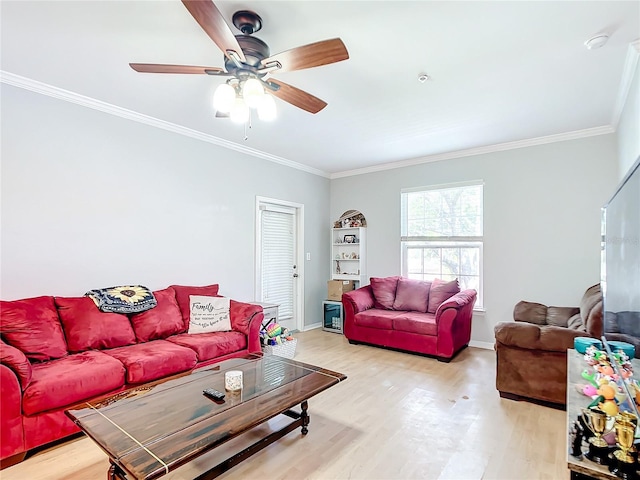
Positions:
(441, 234)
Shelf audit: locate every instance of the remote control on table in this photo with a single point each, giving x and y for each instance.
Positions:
(213, 394)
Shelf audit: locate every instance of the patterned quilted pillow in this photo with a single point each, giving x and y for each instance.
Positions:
(124, 299)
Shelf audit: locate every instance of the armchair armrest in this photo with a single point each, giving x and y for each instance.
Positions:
(528, 336)
(247, 318)
(17, 362)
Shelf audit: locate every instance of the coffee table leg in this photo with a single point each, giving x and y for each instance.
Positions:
(304, 417)
(115, 473)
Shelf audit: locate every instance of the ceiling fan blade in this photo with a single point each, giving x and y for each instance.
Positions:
(160, 68)
(312, 55)
(212, 22)
(296, 97)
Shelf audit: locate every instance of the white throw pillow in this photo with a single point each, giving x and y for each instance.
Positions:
(209, 314)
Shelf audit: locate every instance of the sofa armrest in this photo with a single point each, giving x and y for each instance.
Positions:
(453, 318)
(17, 362)
(359, 300)
(247, 318)
(11, 430)
(536, 337)
(354, 302)
(465, 299)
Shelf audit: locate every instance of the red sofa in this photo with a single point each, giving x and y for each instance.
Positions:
(56, 352)
(431, 318)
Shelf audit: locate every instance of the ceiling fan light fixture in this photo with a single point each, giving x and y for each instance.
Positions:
(267, 108)
(240, 111)
(252, 92)
(224, 98)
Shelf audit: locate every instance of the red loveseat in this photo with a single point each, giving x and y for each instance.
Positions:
(431, 318)
(56, 352)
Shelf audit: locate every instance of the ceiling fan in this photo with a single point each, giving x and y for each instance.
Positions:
(249, 64)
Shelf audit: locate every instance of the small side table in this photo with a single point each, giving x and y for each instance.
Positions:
(332, 318)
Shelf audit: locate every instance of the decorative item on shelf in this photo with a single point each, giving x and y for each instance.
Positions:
(354, 256)
(350, 219)
(350, 239)
(337, 267)
(596, 421)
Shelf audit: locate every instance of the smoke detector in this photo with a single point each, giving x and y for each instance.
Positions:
(596, 41)
(423, 77)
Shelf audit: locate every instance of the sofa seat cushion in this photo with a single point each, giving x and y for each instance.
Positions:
(32, 326)
(160, 322)
(149, 361)
(414, 322)
(88, 328)
(376, 318)
(70, 380)
(211, 345)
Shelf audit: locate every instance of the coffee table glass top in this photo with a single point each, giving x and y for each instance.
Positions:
(155, 428)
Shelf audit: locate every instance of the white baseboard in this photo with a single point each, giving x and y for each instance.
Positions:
(485, 345)
(312, 326)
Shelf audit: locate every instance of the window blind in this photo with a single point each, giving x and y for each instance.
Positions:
(277, 260)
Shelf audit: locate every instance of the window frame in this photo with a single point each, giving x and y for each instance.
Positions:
(407, 242)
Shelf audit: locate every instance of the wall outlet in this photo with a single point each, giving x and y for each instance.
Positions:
(308, 256)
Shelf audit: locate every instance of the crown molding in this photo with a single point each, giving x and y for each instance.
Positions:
(628, 72)
(72, 97)
(500, 147)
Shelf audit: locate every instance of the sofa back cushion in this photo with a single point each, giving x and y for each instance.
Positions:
(412, 295)
(441, 291)
(183, 293)
(32, 326)
(160, 322)
(384, 291)
(87, 328)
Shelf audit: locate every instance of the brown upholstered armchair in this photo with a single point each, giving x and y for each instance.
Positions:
(532, 351)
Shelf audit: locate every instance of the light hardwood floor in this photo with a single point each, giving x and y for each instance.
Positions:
(397, 416)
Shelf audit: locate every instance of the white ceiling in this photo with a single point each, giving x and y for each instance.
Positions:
(500, 71)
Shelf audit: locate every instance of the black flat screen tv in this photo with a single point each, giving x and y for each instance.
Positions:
(621, 258)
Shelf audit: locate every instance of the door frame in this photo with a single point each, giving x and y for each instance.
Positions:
(298, 306)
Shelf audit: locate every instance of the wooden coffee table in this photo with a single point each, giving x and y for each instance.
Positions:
(152, 430)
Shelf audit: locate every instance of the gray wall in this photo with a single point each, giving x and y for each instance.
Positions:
(541, 219)
(91, 200)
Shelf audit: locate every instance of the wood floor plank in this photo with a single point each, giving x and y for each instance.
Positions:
(398, 416)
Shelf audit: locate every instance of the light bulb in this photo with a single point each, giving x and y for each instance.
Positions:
(224, 98)
(267, 108)
(252, 91)
(239, 111)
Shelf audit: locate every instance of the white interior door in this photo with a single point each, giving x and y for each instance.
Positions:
(278, 261)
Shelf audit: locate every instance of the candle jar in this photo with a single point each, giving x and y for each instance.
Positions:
(233, 380)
